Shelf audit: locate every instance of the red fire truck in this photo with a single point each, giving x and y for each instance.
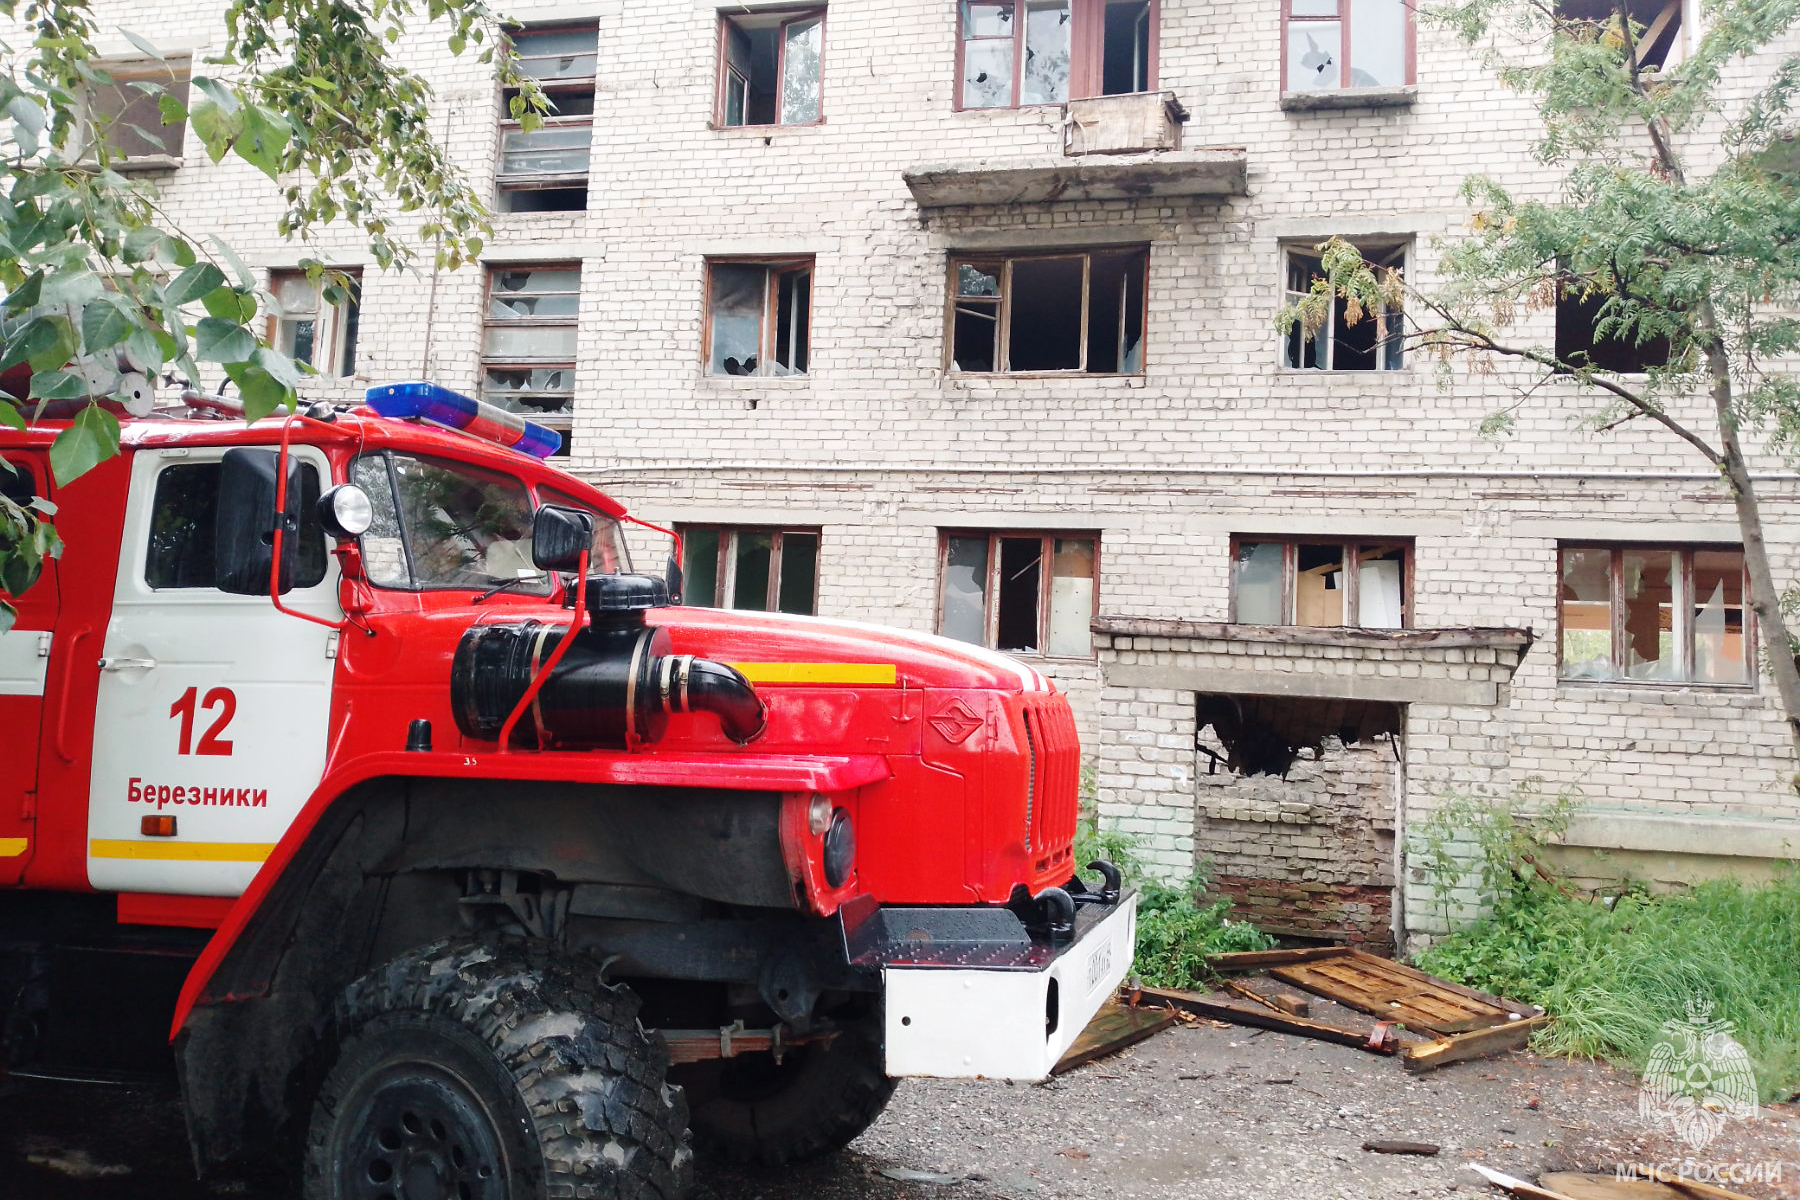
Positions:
(351, 771)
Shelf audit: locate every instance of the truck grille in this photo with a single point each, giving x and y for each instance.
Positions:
(1053, 794)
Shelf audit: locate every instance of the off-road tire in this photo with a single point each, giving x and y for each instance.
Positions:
(527, 1053)
(748, 1110)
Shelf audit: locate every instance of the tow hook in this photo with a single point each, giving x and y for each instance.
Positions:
(1056, 909)
(1110, 889)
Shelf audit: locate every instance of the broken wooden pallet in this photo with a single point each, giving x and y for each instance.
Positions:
(1479, 1043)
(1260, 1018)
(1572, 1185)
(1396, 992)
(1113, 1028)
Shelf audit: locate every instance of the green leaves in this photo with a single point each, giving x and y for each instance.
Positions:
(105, 323)
(91, 438)
(222, 341)
(193, 283)
(44, 342)
(263, 393)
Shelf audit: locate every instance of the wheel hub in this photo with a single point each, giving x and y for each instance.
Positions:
(420, 1135)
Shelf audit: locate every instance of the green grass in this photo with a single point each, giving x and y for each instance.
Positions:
(1175, 931)
(1612, 976)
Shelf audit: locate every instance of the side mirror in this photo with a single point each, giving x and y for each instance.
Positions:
(672, 574)
(244, 530)
(559, 537)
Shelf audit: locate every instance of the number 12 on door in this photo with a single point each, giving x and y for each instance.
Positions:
(220, 698)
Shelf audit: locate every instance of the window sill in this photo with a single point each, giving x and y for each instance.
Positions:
(1333, 99)
(743, 382)
(1336, 372)
(1656, 686)
(748, 131)
(145, 162)
(995, 375)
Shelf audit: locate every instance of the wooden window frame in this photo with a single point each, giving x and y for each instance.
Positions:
(990, 596)
(560, 420)
(1087, 48)
(1352, 550)
(774, 267)
(332, 325)
(724, 577)
(1003, 333)
(1681, 606)
(1379, 255)
(176, 75)
(1344, 62)
(790, 16)
(504, 184)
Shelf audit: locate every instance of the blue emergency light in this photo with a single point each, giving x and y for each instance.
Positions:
(442, 406)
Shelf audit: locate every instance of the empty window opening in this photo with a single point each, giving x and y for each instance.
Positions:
(317, 321)
(1665, 614)
(1374, 342)
(1305, 581)
(124, 101)
(1024, 593)
(1051, 51)
(771, 69)
(528, 341)
(1347, 44)
(1081, 311)
(546, 169)
(759, 317)
(769, 570)
(1580, 343)
(1264, 735)
(1655, 26)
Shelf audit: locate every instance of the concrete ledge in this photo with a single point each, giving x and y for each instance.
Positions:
(1255, 679)
(1170, 173)
(1724, 836)
(1310, 635)
(1331, 99)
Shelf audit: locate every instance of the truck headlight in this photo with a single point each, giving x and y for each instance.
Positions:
(840, 849)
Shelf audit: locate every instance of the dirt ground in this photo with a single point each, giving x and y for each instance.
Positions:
(1196, 1113)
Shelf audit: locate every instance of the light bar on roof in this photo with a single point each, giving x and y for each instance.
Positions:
(441, 406)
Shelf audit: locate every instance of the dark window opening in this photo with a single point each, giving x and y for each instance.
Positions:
(17, 483)
(1372, 343)
(1125, 54)
(125, 103)
(764, 570)
(1655, 26)
(1081, 311)
(1021, 576)
(1579, 343)
(546, 169)
(1024, 593)
(184, 516)
(771, 69)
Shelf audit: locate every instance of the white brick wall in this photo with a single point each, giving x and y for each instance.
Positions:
(884, 447)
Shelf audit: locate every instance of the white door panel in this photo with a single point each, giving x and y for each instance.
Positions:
(212, 709)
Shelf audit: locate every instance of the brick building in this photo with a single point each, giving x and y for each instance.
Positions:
(957, 315)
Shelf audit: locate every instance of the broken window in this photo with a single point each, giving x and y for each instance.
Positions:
(1655, 26)
(771, 68)
(1579, 341)
(1081, 310)
(1014, 52)
(1347, 44)
(1374, 342)
(125, 102)
(528, 341)
(1025, 593)
(316, 321)
(771, 570)
(1666, 614)
(1321, 582)
(758, 317)
(546, 169)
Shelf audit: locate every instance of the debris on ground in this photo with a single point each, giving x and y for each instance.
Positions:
(1116, 1026)
(1380, 1146)
(1575, 1185)
(1480, 1043)
(1259, 1018)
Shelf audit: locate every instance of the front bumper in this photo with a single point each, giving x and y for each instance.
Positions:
(957, 1008)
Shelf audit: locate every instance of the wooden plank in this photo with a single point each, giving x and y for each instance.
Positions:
(1113, 1028)
(1496, 1039)
(1392, 991)
(1257, 1018)
(1518, 1187)
(1376, 963)
(1380, 1146)
(1605, 1187)
(1256, 960)
(1292, 1005)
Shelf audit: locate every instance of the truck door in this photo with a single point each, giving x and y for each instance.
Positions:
(213, 707)
(24, 655)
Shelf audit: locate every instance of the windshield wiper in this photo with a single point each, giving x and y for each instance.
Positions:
(504, 584)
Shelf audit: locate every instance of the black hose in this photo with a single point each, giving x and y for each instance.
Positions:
(692, 684)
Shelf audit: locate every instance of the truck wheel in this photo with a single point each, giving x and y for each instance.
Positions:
(495, 1072)
(749, 1110)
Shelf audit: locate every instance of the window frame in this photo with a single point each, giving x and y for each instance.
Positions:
(1345, 63)
(510, 124)
(789, 16)
(1352, 548)
(1087, 54)
(561, 419)
(124, 71)
(311, 535)
(1683, 631)
(330, 324)
(775, 267)
(386, 455)
(990, 596)
(725, 569)
(1384, 254)
(1003, 331)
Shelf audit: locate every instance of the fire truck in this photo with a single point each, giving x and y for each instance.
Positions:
(351, 772)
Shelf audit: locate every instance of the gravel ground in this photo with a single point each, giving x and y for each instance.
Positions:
(1196, 1113)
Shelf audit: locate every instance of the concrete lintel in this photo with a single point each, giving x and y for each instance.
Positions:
(748, 514)
(1317, 99)
(545, 251)
(1001, 518)
(1615, 529)
(1255, 679)
(1302, 636)
(1215, 173)
(1725, 836)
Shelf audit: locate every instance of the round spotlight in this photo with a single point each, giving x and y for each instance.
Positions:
(818, 814)
(345, 510)
(840, 849)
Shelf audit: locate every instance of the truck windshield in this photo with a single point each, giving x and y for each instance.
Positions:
(609, 554)
(445, 524)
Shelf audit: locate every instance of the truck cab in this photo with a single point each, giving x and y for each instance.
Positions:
(356, 775)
